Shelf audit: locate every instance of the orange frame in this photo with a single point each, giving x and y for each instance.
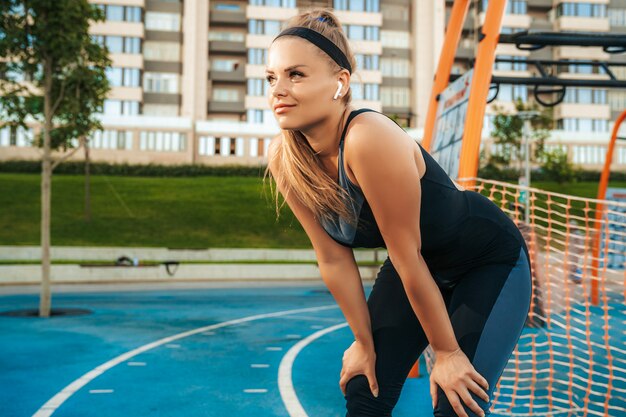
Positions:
(481, 80)
(604, 182)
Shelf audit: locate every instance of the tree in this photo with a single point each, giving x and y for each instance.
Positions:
(52, 74)
(508, 133)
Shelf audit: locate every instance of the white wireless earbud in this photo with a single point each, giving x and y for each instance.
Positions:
(339, 85)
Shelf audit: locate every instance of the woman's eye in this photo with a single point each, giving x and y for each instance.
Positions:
(269, 78)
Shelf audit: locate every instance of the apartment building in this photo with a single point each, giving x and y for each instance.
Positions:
(188, 75)
(585, 117)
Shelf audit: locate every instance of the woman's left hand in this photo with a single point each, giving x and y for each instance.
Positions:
(359, 359)
(456, 376)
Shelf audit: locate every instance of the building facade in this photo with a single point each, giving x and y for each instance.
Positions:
(188, 81)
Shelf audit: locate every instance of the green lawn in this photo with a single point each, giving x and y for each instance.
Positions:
(180, 212)
(189, 212)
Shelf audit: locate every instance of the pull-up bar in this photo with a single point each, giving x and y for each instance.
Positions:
(530, 41)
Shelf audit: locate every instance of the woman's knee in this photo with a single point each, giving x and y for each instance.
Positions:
(360, 402)
(445, 409)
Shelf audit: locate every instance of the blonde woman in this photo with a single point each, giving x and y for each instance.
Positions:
(457, 276)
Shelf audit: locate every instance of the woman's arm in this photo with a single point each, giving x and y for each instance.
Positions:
(337, 265)
(381, 156)
(344, 282)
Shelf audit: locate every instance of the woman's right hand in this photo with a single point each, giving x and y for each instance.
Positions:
(359, 359)
(456, 376)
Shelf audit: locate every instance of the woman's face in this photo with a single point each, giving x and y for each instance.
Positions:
(299, 76)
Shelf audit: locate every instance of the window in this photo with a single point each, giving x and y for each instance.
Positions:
(395, 67)
(617, 99)
(617, 17)
(120, 107)
(162, 141)
(512, 92)
(111, 139)
(115, 44)
(226, 6)
(224, 65)
(163, 21)
(583, 125)
(274, 3)
(368, 62)
(167, 110)
(119, 44)
(518, 65)
(512, 6)
(257, 87)
(225, 94)
(116, 13)
(394, 39)
(360, 32)
(581, 10)
(365, 91)
(123, 77)
(161, 51)
(254, 116)
(216, 35)
(160, 82)
(585, 96)
(263, 27)
(257, 56)
(357, 5)
(573, 67)
(395, 96)
(16, 136)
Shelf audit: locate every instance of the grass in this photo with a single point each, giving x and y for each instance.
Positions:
(178, 212)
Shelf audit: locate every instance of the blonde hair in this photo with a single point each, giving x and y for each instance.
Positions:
(300, 167)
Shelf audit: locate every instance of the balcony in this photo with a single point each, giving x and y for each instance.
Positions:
(232, 47)
(226, 106)
(228, 17)
(229, 76)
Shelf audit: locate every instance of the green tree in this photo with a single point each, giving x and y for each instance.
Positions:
(52, 74)
(508, 133)
(556, 166)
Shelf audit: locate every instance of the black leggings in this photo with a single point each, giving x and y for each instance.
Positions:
(487, 308)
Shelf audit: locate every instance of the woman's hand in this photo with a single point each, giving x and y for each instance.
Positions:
(359, 359)
(456, 376)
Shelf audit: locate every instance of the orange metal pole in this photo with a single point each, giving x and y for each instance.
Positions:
(604, 183)
(444, 67)
(481, 81)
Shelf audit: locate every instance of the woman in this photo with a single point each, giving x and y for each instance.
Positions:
(457, 275)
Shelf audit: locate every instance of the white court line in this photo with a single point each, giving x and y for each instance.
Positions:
(55, 402)
(285, 384)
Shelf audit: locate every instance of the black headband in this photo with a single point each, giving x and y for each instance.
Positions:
(321, 41)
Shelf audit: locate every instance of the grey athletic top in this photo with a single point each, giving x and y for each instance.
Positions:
(459, 229)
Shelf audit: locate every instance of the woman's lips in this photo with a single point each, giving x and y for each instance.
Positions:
(283, 109)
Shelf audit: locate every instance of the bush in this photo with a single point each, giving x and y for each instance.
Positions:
(149, 170)
(556, 167)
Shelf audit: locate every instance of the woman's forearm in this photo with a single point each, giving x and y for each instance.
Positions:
(427, 303)
(344, 282)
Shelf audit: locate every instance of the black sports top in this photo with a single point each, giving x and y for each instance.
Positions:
(459, 229)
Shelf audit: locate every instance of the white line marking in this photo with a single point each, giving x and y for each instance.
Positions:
(259, 365)
(273, 348)
(55, 402)
(100, 391)
(136, 364)
(255, 390)
(320, 319)
(285, 384)
(172, 346)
